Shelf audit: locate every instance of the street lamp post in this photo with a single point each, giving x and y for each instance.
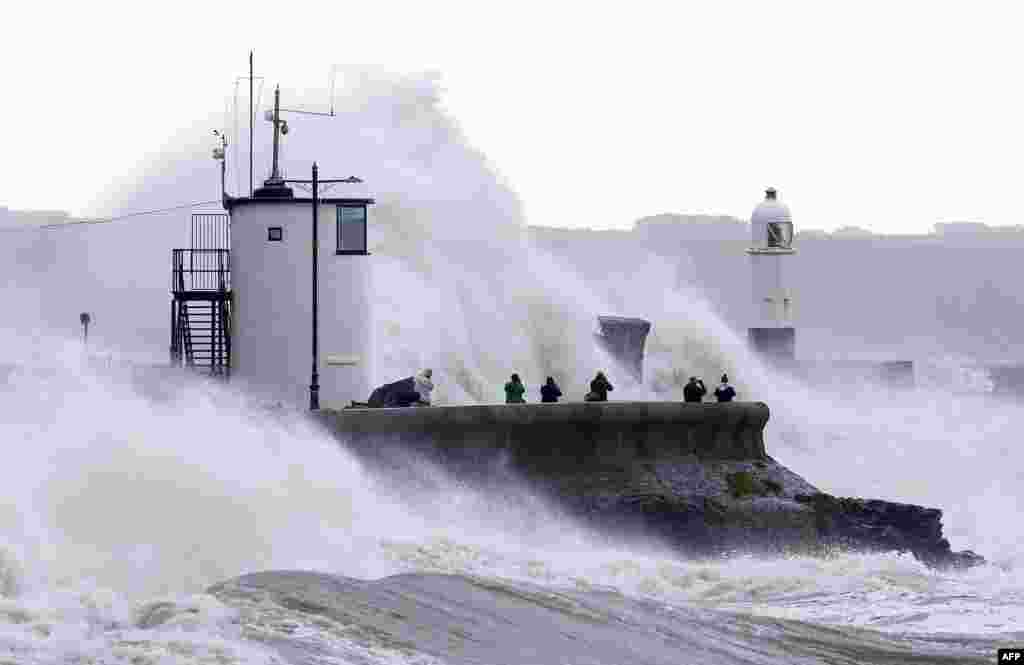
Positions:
(314, 380)
(314, 384)
(85, 320)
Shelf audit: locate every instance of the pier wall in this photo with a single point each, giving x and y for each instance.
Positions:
(561, 436)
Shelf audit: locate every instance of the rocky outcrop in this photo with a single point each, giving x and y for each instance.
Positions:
(694, 476)
(717, 507)
(884, 526)
(698, 506)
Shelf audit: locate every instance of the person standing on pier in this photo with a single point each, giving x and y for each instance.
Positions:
(694, 391)
(514, 390)
(599, 388)
(724, 392)
(550, 392)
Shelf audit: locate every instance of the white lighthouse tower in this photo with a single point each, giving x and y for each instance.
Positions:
(771, 332)
(301, 310)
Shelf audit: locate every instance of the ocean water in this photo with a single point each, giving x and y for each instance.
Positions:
(124, 498)
(120, 510)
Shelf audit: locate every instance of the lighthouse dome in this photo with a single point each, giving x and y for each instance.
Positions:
(771, 224)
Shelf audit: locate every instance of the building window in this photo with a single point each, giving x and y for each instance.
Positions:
(352, 229)
(275, 233)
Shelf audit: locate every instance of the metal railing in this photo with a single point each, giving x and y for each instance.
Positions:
(210, 231)
(200, 270)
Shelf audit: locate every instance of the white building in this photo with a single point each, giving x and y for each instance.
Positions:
(272, 307)
(771, 331)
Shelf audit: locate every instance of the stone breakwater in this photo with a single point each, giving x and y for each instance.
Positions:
(696, 476)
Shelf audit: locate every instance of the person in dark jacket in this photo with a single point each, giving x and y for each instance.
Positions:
(514, 390)
(549, 392)
(724, 392)
(599, 389)
(694, 391)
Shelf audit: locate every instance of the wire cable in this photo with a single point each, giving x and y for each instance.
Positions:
(107, 220)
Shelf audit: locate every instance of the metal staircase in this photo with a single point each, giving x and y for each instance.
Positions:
(201, 335)
(201, 298)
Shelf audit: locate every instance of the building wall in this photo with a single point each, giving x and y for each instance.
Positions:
(770, 290)
(346, 321)
(272, 285)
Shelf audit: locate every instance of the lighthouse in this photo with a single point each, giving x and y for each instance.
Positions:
(301, 292)
(771, 333)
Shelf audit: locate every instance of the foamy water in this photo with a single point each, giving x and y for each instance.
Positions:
(118, 509)
(115, 521)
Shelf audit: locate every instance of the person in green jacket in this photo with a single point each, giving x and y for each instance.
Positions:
(514, 390)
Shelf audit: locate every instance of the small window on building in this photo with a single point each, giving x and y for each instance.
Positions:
(275, 233)
(352, 229)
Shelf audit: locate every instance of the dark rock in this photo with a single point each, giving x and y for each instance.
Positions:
(741, 483)
(693, 476)
(885, 526)
(965, 559)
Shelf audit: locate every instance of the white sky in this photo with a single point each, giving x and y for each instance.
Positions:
(886, 115)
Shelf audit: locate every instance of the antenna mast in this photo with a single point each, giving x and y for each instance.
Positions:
(275, 176)
(250, 123)
(274, 186)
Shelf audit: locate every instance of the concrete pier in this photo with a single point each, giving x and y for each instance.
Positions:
(553, 436)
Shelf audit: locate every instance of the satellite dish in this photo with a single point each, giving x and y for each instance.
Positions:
(268, 116)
